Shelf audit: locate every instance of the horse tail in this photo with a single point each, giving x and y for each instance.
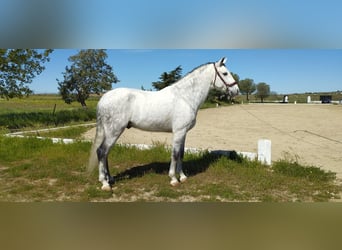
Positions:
(93, 160)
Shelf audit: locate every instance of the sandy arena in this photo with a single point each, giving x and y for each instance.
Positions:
(312, 133)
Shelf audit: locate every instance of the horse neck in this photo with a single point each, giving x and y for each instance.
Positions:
(194, 88)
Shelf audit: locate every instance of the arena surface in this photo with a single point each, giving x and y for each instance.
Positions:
(310, 133)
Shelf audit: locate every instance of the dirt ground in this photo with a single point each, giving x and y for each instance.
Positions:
(310, 133)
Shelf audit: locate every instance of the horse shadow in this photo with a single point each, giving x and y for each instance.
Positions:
(191, 167)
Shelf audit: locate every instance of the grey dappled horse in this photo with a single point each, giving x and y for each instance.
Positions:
(172, 109)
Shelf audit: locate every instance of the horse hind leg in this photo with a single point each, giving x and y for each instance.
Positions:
(104, 174)
(102, 153)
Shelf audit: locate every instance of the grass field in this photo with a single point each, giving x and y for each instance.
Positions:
(40, 111)
(44, 102)
(38, 170)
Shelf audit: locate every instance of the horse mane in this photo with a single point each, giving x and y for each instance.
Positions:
(183, 79)
(193, 70)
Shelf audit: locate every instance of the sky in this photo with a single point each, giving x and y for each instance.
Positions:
(285, 70)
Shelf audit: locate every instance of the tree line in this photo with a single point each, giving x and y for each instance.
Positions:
(247, 86)
(89, 73)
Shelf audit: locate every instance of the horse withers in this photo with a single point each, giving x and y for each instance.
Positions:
(172, 109)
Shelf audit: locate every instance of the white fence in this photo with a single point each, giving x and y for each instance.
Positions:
(263, 155)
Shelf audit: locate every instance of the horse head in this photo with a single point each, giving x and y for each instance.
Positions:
(224, 80)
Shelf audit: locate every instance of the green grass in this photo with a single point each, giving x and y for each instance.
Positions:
(39, 103)
(39, 111)
(15, 121)
(37, 170)
(294, 169)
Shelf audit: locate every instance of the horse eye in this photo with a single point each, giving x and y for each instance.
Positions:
(225, 73)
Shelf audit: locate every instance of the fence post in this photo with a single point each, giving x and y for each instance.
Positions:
(264, 151)
(54, 115)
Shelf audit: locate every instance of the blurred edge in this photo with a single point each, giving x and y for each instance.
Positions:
(65, 24)
(170, 225)
(168, 24)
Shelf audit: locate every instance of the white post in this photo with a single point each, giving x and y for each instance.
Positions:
(264, 151)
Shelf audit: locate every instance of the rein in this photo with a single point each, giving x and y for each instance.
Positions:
(225, 83)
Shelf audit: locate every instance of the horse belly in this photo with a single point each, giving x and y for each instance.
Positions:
(155, 127)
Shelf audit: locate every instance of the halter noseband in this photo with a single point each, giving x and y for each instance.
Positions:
(225, 83)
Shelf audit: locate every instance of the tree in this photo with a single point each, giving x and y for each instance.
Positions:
(236, 77)
(247, 87)
(237, 80)
(88, 73)
(143, 88)
(167, 79)
(17, 69)
(263, 90)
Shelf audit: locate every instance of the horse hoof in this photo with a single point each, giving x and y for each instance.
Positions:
(183, 179)
(174, 183)
(106, 187)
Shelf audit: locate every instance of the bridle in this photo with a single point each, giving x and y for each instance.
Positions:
(225, 83)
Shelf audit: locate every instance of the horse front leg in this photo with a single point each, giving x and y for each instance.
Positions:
(176, 158)
(179, 168)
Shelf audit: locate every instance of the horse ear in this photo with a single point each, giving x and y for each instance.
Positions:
(222, 61)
